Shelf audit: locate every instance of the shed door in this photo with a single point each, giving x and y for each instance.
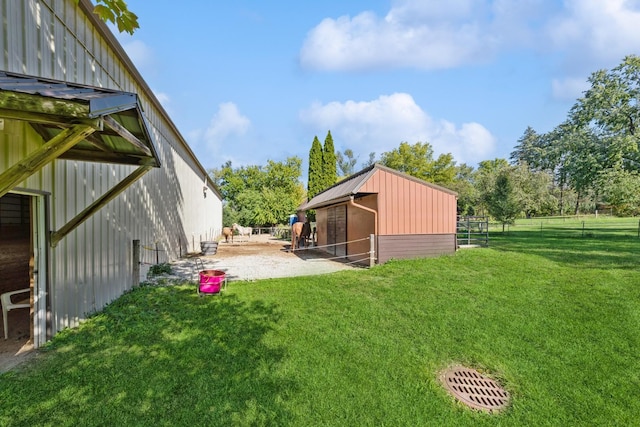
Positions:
(337, 230)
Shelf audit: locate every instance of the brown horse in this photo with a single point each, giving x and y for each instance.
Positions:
(226, 232)
(306, 233)
(296, 234)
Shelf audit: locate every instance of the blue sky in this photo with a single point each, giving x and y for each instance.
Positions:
(251, 81)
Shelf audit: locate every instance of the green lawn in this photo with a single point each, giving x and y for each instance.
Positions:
(554, 319)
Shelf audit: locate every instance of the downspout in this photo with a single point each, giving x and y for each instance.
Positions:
(375, 224)
(375, 214)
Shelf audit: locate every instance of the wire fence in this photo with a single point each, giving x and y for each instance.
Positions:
(585, 227)
(472, 231)
(348, 258)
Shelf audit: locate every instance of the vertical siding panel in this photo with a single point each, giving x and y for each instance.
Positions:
(421, 199)
(414, 198)
(437, 209)
(433, 210)
(424, 209)
(393, 208)
(420, 202)
(388, 188)
(47, 51)
(404, 215)
(396, 207)
(59, 38)
(67, 252)
(30, 47)
(14, 42)
(381, 203)
(4, 38)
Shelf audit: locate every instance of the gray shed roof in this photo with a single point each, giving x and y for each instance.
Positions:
(345, 189)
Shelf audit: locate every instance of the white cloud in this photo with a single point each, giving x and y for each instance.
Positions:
(596, 30)
(423, 34)
(225, 123)
(578, 36)
(382, 124)
(366, 41)
(139, 53)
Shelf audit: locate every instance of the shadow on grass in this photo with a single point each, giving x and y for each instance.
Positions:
(591, 251)
(152, 360)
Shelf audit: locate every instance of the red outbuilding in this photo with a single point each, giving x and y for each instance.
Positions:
(409, 217)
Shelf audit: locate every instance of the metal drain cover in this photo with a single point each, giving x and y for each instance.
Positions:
(474, 389)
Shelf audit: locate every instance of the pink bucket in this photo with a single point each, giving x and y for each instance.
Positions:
(211, 281)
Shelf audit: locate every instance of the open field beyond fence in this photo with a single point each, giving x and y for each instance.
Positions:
(574, 226)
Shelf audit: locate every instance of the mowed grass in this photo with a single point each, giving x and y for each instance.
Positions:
(554, 320)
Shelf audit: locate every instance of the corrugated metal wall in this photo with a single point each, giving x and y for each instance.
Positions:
(92, 265)
(409, 207)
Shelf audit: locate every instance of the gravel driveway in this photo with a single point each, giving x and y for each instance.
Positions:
(260, 257)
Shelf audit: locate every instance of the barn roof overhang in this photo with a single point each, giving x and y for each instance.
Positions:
(76, 122)
(117, 131)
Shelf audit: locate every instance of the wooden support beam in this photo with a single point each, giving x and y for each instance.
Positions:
(98, 204)
(49, 119)
(97, 142)
(120, 130)
(27, 102)
(104, 157)
(45, 154)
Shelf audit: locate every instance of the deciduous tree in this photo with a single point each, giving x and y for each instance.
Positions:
(611, 108)
(346, 162)
(260, 195)
(417, 160)
(117, 12)
(502, 200)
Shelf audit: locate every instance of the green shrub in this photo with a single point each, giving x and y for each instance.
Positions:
(159, 269)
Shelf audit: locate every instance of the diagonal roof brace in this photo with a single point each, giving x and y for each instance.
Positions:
(94, 207)
(45, 154)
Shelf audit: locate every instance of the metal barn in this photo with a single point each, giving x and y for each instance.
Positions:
(409, 218)
(92, 169)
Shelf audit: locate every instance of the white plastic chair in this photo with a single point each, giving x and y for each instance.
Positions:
(8, 305)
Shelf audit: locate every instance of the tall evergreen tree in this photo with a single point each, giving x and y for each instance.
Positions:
(329, 167)
(530, 150)
(315, 183)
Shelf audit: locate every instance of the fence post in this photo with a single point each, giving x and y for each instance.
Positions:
(486, 235)
(372, 249)
(135, 264)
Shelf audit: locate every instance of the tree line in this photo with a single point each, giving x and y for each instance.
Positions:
(589, 162)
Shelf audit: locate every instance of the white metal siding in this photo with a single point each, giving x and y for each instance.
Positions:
(92, 265)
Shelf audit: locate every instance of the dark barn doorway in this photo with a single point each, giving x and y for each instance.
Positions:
(16, 260)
